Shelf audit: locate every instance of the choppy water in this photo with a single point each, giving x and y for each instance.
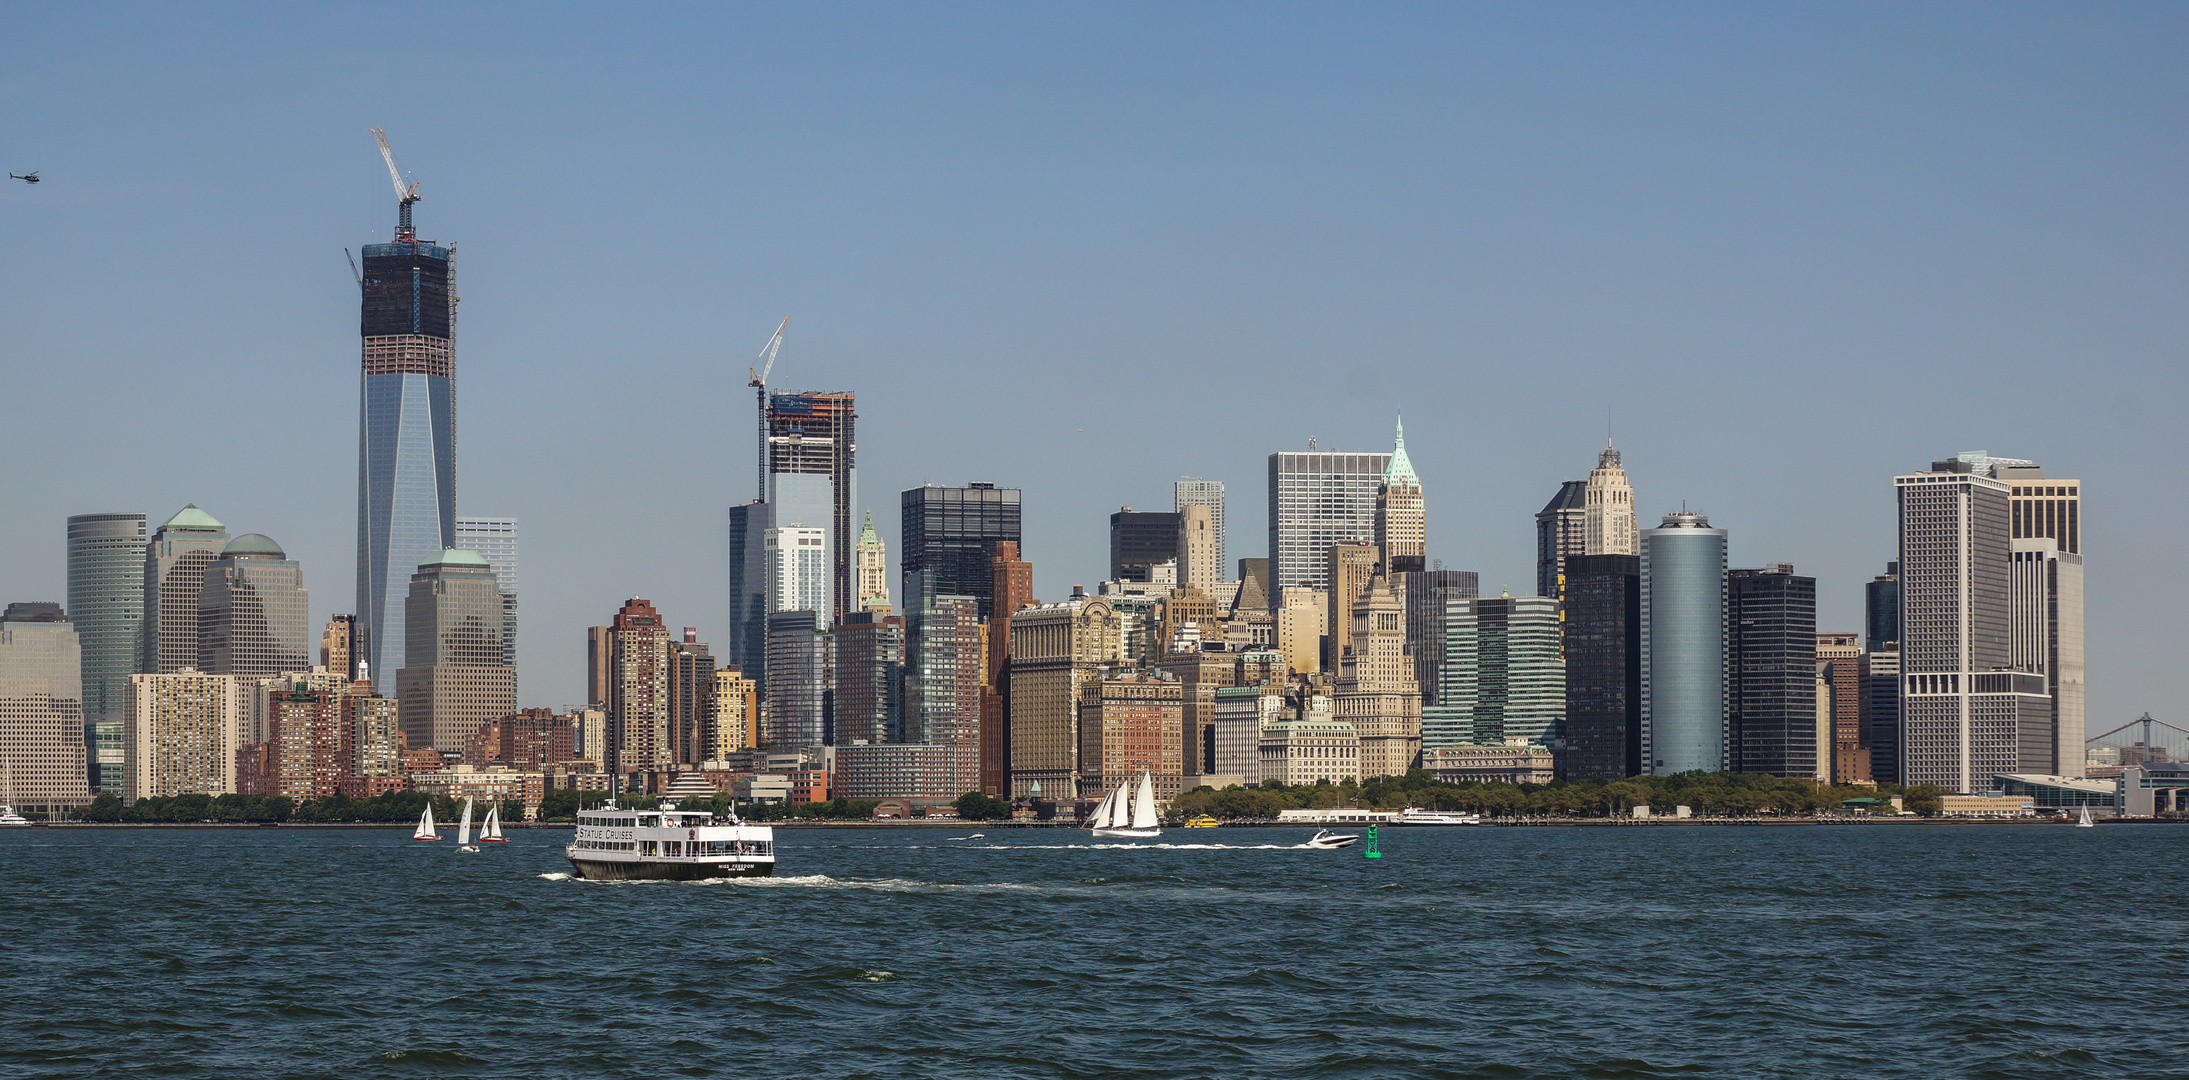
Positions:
(1635, 952)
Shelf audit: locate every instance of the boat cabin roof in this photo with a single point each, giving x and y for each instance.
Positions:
(647, 819)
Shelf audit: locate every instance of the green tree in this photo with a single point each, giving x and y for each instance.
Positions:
(974, 806)
(1924, 799)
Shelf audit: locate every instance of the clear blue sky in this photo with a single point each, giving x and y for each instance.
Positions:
(1790, 250)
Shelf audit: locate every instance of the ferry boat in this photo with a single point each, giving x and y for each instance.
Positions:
(1203, 822)
(668, 845)
(1414, 815)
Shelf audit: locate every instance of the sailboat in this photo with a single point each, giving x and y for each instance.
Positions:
(463, 829)
(490, 830)
(8, 816)
(427, 830)
(1126, 813)
(2084, 821)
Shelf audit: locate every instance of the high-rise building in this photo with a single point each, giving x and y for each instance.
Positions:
(1302, 618)
(372, 742)
(1881, 718)
(1013, 588)
(1316, 501)
(179, 735)
(1842, 670)
(1353, 566)
(870, 656)
(1200, 558)
(736, 714)
(1561, 530)
(302, 756)
(1141, 540)
(1607, 502)
(1199, 675)
(455, 679)
(1057, 652)
(1127, 726)
(1375, 690)
(943, 672)
(406, 432)
(1194, 491)
(1426, 592)
(1603, 644)
(954, 532)
(1402, 523)
(253, 611)
(798, 705)
(1503, 678)
(1881, 609)
(813, 477)
(637, 732)
(691, 699)
(1965, 715)
(1771, 672)
(795, 558)
(1683, 646)
(174, 575)
(748, 640)
(2038, 506)
(334, 645)
(599, 653)
(495, 539)
(106, 606)
(42, 710)
(2048, 638)
(872, 569)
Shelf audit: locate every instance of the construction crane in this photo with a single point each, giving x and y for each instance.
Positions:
(404, 194)
(353, 269)
(765, 363)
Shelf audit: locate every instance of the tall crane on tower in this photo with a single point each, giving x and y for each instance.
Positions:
(405, 194)
(765, 363)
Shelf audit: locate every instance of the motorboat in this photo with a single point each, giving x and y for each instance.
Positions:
(975, 836)
(668, 845)
(1414, 815)
(1328, 839)
(1128, 813)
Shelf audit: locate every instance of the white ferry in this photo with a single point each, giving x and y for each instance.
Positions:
(668, 844)
(1414, 815)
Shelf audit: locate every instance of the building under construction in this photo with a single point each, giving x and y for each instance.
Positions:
(812, 434)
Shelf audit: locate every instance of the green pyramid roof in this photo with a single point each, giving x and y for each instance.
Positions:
(190, 517)
(1400, 468)
(867, 532)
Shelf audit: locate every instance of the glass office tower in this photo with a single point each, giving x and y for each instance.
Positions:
(1683, 646)
(954, 531)
(106, 606)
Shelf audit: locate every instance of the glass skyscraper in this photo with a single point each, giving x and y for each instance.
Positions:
(954, 532)
(495, 539)
(106, 606)
(406, 432)
(1683, 646)
(1317, 501)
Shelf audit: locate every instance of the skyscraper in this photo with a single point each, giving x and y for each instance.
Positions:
(1375, 689)
(1561, 530)
(1058, 654)
(943, 673)
(870, 650)
(1603, 644)
(174, 575)
(1200, 560)
(1141, 540)
(495, 539)
(1965, 714)
(1881, 608)
(1318, 500)
(42, 710)
(1771, 672)
(795, 559)
(747, 647)
(106, 606)
(1194, 491)
(637, 735)
(334, 646)
(1881, 672)
(1402, 524)
(799, 704)
(1013, 588)
(1353, 566)
(813, 477)
(454, 679)
(1503, 678)
(253, 612)
(1608, 508)
(2042, 507)
(1842, 667)
(954, 531)
(2048, 638)
(692, 689)
(1426, 594)
(1683, 646)
(406, 432)
(179, 735)
(872, 569)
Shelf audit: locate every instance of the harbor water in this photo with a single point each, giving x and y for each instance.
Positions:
(1648, 951)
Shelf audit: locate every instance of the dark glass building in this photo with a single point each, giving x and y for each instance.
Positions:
(870, 650)
(1140, 541)
(1603, 636)
(1561, 529)
(1771, 671)
(1881, 608)
(1425, 592)
(954, 531)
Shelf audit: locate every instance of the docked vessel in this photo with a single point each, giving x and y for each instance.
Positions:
(8, 816)
(1414, 815)
(1126, 813)
(668, 845)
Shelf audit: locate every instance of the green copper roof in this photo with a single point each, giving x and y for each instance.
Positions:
(454, 557)
(866, 534)
(1400, 468)
(254, 544)
(190, 517)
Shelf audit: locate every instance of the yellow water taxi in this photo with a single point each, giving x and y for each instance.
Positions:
(1203, 822)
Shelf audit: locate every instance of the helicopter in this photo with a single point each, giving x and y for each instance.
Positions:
(32, 178)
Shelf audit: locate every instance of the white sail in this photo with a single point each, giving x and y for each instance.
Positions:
(463, 829)
(427, 830)
(491, 829)
(1101, 818)
(1144, 806)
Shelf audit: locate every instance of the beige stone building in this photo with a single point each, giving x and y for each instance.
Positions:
(1200, 551)
(41, 710)
(1126, 726)
(1375, 690)
(736, 720)
(1302, 619)
(1352, 566)
(1402, 524)
(1310, 748)
(1608, 509)
(179, 736)
(871, 568)
(1057, 652)
(1199, 676)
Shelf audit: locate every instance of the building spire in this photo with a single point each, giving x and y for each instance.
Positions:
(1400, 467)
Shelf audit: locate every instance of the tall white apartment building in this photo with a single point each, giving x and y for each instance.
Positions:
(795, 564)
(179, 735)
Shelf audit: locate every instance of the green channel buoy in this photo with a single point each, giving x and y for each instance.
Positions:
(1371, 853)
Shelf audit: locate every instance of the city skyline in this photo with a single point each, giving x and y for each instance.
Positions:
(1487, 474)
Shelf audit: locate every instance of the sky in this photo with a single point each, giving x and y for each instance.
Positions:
(1780, 253)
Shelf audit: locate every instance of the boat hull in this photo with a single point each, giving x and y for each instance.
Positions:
(1129, 834)
(643, 870)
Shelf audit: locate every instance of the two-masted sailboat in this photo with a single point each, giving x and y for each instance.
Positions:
(1125, 813)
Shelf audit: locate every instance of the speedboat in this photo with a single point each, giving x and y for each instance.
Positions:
(975, 836)
(1328, 839)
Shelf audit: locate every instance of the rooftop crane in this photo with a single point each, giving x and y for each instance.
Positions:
(404, 194)
(759, 383)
